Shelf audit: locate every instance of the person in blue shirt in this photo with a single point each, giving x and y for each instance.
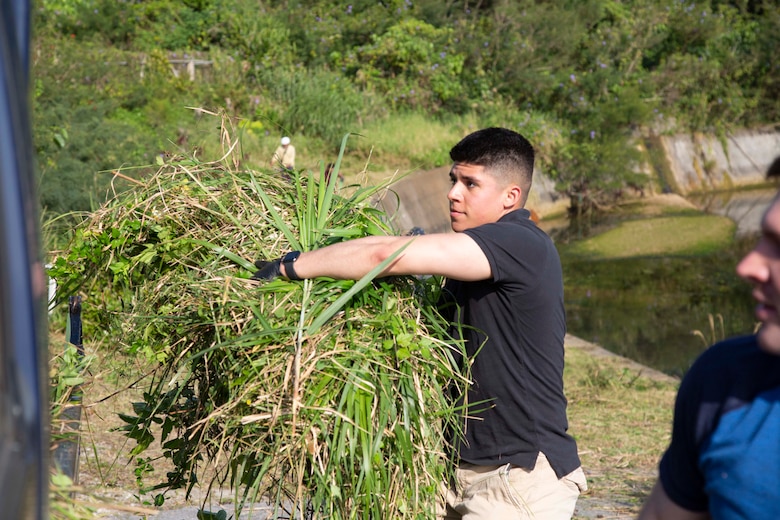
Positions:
(723, 460)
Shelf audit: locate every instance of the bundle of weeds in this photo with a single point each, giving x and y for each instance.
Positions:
(326, 397)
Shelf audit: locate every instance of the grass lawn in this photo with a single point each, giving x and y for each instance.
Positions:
(621, 417)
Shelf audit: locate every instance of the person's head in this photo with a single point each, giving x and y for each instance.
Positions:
(761, 267)
(285, 141)
(491, 176)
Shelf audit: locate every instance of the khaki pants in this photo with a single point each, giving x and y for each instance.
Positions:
(511, 492)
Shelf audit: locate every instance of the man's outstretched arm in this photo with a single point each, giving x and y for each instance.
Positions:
(454, 255)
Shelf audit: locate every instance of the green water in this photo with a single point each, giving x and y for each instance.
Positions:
(648, 308)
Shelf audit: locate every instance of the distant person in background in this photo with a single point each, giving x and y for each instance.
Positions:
(723, 461)
(284, 156)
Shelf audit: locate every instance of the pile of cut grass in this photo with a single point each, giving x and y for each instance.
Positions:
(325, 397)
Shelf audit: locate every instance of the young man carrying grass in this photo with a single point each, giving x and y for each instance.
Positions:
(724, 458)
(505, 299)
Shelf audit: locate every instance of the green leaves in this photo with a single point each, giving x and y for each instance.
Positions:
(413, 63)
(67, 374)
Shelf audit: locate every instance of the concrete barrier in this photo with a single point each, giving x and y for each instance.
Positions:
(702, 163)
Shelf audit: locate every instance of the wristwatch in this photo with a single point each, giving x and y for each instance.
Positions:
(287, 261)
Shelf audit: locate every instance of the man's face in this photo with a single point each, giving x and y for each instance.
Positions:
(761, 267)
(475, 197)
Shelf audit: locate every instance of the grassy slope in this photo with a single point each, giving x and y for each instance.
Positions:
(620, 414)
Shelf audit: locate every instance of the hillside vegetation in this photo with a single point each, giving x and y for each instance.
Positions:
(122, 85)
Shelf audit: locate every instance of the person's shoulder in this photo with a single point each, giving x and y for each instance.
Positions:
(731, 349)
(515, 227)
(726, 353)
(731, 360)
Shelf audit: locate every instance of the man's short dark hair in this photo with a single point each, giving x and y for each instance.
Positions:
(503, 152)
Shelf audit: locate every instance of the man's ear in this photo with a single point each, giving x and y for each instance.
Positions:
(513, 197)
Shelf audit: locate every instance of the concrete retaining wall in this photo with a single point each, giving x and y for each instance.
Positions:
(701, 163)
(420, 200)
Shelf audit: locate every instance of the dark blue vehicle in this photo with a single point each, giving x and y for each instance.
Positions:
(24, 409)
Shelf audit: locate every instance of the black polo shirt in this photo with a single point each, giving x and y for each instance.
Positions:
(514, 325)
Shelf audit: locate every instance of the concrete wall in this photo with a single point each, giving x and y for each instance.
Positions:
(701, 163)
(420, 200)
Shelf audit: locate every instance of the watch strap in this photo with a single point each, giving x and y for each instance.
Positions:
(288, 260)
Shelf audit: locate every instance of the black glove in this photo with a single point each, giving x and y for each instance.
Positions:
(269, 269)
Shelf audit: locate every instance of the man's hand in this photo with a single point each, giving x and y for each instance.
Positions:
(268, 270)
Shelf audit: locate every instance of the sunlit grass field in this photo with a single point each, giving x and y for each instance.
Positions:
(688, 234)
